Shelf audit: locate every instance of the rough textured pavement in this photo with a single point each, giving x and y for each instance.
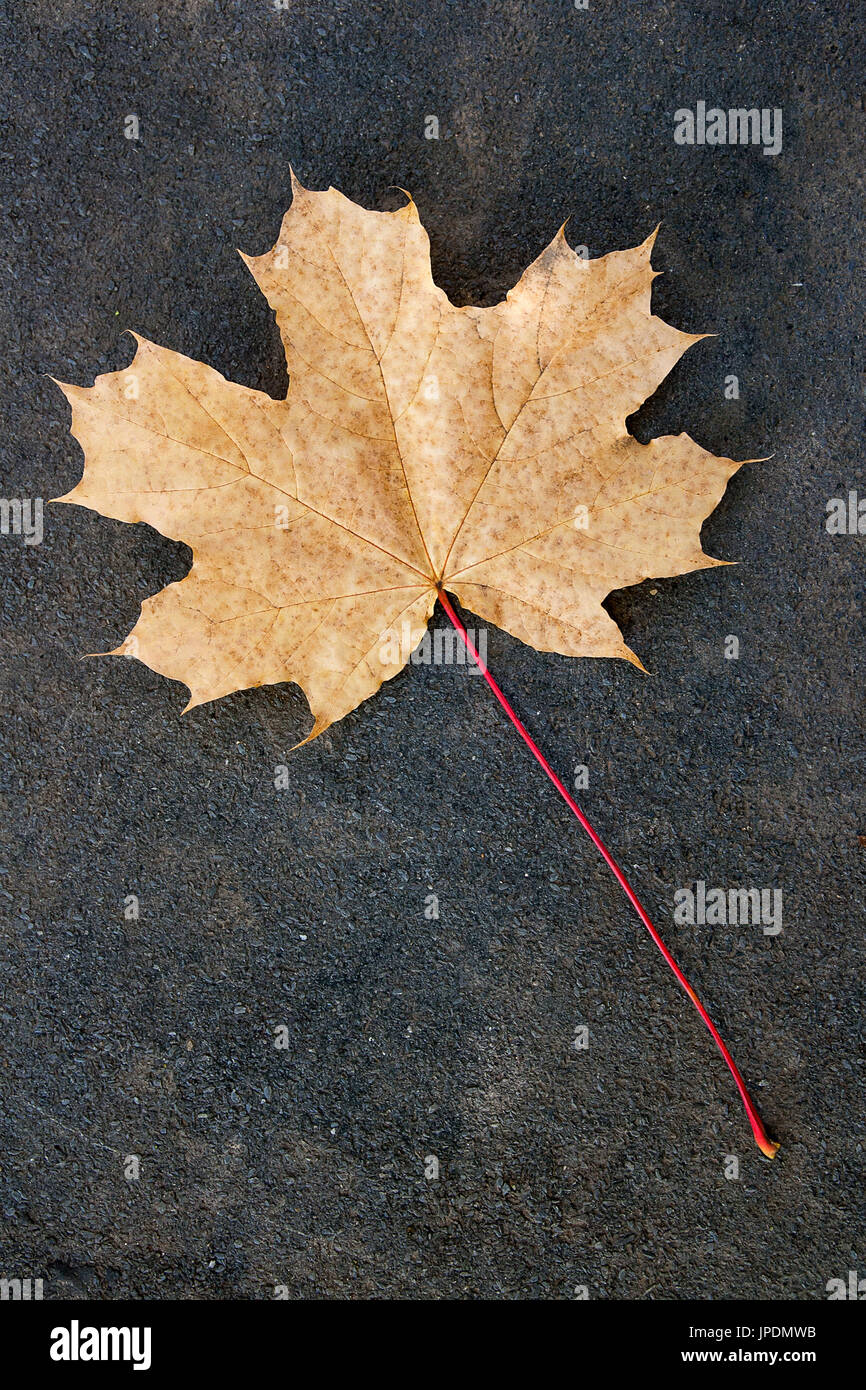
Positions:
(299, 914)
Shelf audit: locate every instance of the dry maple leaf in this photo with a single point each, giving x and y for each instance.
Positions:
(420, 447)
(421, 450)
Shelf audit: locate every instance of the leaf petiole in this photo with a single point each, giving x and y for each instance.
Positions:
(767, 1146)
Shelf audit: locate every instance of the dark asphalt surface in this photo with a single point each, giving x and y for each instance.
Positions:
(305, 908)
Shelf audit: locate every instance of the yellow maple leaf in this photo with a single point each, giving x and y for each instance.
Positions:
(421, 450)
(421, 447)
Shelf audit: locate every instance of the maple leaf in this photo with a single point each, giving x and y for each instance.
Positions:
(421, 447)
(421, 450)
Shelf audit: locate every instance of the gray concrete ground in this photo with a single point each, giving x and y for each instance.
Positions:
(410, 1037)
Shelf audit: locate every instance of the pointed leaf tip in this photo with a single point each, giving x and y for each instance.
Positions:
(297, 186)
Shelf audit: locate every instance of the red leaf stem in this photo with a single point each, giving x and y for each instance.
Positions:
(765, 1144)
